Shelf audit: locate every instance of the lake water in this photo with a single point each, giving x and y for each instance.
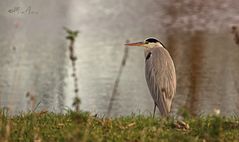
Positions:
(34, 58)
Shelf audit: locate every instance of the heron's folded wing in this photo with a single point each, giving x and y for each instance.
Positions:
(161, 78)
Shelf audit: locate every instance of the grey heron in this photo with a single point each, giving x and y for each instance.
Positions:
(159, 73)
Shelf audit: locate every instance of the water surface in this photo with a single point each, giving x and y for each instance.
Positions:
(34, 56)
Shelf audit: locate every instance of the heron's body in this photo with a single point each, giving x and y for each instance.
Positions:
(161, 77)
(159, 73)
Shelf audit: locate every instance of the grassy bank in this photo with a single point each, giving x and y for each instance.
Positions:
(84, 127)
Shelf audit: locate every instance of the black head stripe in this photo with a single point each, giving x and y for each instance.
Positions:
(151, 40)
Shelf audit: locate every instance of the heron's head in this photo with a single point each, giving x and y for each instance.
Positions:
(150, 42)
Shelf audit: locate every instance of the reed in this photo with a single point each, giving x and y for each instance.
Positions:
(71, 36)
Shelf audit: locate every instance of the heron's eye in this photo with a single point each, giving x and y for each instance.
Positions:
(146, 42)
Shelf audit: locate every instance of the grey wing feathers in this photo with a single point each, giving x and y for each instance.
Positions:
(161, 78)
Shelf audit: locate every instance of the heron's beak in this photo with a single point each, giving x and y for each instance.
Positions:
(135, 44)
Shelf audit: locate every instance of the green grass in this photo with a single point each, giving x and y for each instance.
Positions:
(74, 127)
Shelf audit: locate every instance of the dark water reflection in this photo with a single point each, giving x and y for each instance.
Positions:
(207, 73)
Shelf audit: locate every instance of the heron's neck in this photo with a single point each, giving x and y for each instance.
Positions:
(147, 51)
(152, 47)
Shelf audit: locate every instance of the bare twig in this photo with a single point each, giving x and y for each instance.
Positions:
(116, 84)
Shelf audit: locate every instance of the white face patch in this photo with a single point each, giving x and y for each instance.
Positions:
(153, 44)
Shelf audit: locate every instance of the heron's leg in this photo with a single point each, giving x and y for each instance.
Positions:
(154, 109)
